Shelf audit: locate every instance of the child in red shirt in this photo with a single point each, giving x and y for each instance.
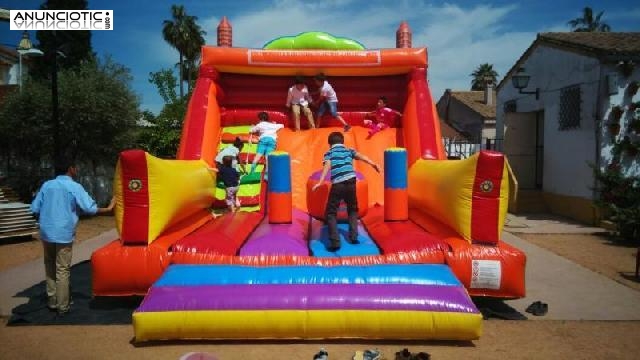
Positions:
(382, 118)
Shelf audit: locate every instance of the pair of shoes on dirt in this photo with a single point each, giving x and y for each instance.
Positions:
(405, 354)
(52, 306)
(538, 308)
(321, 355)
(369, 354)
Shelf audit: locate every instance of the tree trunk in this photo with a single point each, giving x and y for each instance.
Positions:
(181, 78)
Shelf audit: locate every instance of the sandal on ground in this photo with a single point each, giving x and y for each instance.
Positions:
(538, 308)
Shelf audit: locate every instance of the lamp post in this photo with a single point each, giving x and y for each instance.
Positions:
(25, 48)
(521, 80)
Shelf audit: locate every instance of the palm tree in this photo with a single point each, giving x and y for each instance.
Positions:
(483, 74)
(587, 23)
(183, 34)
(192, 51)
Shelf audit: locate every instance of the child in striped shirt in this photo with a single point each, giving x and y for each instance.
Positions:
(339, 162)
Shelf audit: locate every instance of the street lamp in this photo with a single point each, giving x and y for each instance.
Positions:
(521, 80)
(25, 48)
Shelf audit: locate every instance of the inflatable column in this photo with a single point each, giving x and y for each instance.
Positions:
(279, 205)
(396, 204)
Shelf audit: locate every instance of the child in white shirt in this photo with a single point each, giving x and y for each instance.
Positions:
(267, 132)
(328, 100)
(298, 98)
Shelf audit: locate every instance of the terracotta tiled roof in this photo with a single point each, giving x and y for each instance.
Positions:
(449, 132)
(609, 46)
(598, 43)
(475, 101)
(8, 52)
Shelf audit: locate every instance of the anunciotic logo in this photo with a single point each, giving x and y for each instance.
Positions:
(61, 19)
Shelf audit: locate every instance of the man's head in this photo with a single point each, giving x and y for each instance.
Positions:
(382, 101)
(336, 138)
(263, 116)
(238, 143)
(320, 78)
(65, 166)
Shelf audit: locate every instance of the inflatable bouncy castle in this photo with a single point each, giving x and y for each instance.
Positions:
(428, 233)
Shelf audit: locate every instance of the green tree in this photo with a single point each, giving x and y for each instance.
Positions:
(184, 35)
(161, 136)
(484, 73)
(97, 111)
(75, 46)
(587, 23)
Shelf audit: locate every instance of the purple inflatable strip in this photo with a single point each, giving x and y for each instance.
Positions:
(279, 239)
(309, 297)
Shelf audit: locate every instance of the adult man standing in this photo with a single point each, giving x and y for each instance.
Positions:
(57, 204)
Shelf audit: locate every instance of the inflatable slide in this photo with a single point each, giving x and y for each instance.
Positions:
(428, 234)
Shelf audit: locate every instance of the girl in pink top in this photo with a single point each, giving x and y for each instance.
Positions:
(382, 118)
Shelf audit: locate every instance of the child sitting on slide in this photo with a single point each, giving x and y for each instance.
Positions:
(382, 118)
(298, 100)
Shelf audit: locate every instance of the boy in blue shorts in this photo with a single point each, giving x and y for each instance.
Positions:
(328, 100)
(339, 162)
(268, 135)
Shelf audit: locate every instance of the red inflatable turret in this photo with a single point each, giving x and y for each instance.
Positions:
(225, 36)
(403, 35)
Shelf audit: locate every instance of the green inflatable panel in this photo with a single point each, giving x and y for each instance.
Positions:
(316, 40)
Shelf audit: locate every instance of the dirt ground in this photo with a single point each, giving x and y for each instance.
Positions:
(500, 339)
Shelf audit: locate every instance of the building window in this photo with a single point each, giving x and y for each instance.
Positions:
(569, 116)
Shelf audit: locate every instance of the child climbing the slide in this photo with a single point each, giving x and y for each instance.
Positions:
(233, 151)
(267, 132)
(339, 162)
(328, 100)
(381, 118)
(298, 99)
(231, 179)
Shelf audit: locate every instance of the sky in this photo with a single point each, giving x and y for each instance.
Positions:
(459, 34)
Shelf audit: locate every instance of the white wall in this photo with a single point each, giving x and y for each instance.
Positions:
(9, 75)
(567, 153)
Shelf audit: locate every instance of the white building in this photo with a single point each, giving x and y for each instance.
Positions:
(9, 64)
(555, 129)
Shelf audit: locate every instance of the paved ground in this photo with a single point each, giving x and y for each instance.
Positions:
(26, 275)
(571, 291)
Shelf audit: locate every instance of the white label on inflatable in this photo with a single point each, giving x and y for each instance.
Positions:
(485, 274)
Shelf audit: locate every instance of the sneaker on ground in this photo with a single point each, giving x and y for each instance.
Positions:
(321, 355)
(405, 354)
(371, 354)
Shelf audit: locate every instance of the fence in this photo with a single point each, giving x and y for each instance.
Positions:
(462, 149)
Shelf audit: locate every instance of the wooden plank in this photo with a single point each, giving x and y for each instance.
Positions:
(14, 205)
(9, 223)
(16, 216)
(19, 233)
(5, 229)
